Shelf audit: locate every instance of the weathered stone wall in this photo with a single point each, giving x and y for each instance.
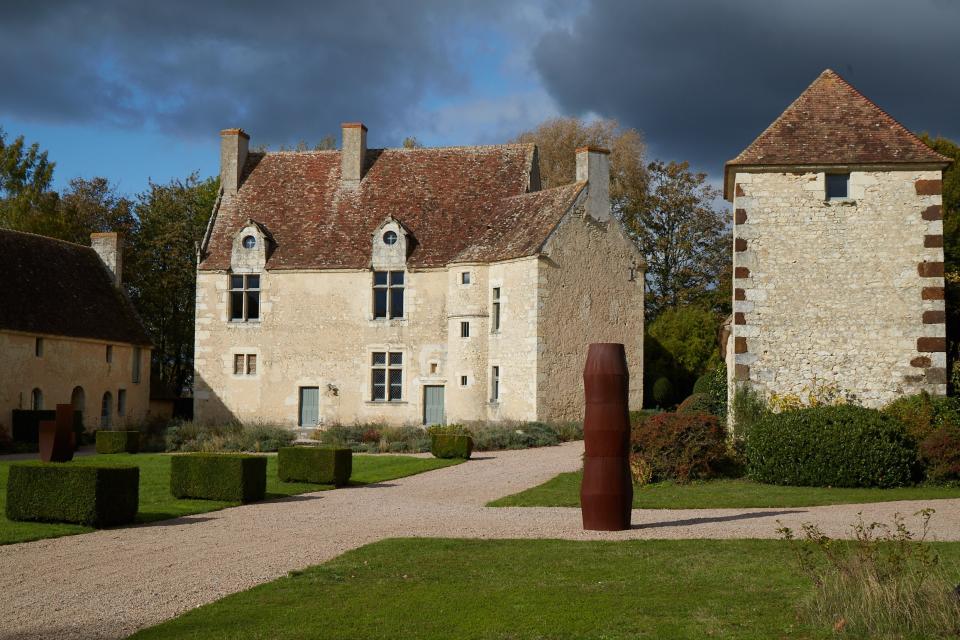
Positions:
(67, 363)
(592, 290)
(845, 292)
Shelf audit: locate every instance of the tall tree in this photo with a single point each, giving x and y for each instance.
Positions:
(558, 138)
(26, 174)
(172, 219)
(685, 239)
(91, 206)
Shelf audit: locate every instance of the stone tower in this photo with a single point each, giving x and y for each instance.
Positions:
(838, 253)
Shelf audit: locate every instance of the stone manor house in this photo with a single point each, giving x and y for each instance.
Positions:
(68, 332)
(838, 252)
(408, 286)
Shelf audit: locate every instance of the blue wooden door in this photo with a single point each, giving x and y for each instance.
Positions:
(433, 405)
(309, 406)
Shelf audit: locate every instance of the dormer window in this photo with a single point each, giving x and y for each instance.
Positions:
(390, 238)
(249, 242)
(837, 186)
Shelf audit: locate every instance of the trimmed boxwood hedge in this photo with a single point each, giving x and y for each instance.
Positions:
(118, 441)
(319, 465)
(233, 477)
(97, 496)
(444, 445)
(842, 446)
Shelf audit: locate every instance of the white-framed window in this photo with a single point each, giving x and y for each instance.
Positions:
(244, 364)
(495, 384)
(245, 297)
(837, 186)
(36, 400)
(38, 347)
(386, 376)
(137, 357)
(464, 277)
(388, 294)
(465, 329)
(121, 402)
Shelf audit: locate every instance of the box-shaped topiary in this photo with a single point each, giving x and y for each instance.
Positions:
(234, 477)
(97, 496)
(319, 465)
(835, 446)
(451, 445)
(118, 441)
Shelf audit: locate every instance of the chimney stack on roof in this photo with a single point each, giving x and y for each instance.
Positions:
(109, 246)
(593, 167)
(353, 153)
(234, 144)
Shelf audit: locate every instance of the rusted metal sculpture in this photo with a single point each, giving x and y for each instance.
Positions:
(57, 438)
(606, 494)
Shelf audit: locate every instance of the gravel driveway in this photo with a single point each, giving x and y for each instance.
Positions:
(107, 584)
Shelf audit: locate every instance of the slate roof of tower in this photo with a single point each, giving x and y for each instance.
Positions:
(455, 201)
(59, 288)
(831, 123)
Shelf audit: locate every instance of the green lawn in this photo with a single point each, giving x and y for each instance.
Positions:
(519, 589)
(156, 503)
(564, 491)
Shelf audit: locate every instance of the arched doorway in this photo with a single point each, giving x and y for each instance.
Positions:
(106, 408)
(79, 401)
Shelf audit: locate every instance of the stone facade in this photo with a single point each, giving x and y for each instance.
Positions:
(520, 304)
(845, 292)
(74, 371)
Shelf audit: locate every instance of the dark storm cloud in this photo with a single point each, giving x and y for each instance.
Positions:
(703, 79)
(285, 70)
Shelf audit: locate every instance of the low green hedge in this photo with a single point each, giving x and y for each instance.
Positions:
(319, 465)
(839, 446)
(98, 496)
(233, 477)
(118, 441)
(451, 445)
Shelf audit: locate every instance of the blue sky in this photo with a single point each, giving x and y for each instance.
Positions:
(138, 91)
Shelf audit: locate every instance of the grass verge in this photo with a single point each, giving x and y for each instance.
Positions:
(564, 491)
(156, 503)
(519, 589)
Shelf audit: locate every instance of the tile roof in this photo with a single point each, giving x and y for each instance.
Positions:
(450, 199)
(62, 289)
(831, 123)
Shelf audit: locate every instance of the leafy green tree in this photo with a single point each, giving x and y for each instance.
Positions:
(681, 345)
(26, 198)
(171, 221)
(685, 239)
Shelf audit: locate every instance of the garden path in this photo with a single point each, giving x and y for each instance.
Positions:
(107, 584)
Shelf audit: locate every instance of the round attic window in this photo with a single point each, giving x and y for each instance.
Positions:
(249, 242)
(390, 237)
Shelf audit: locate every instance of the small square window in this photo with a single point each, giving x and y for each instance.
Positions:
(465, 277)
(464, 329)
(463, 381)
(433, 367)
(238, 364)
(837, 185)
(251, 364)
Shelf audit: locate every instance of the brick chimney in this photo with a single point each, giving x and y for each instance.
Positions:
(352, 153)
(109, 246)
(593, 167)
(234, 144)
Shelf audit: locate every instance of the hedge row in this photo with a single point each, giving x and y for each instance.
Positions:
(57, 492)
(118, 441)
(233, 477)
(838, 446)
(319, 465)
(444, 445)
